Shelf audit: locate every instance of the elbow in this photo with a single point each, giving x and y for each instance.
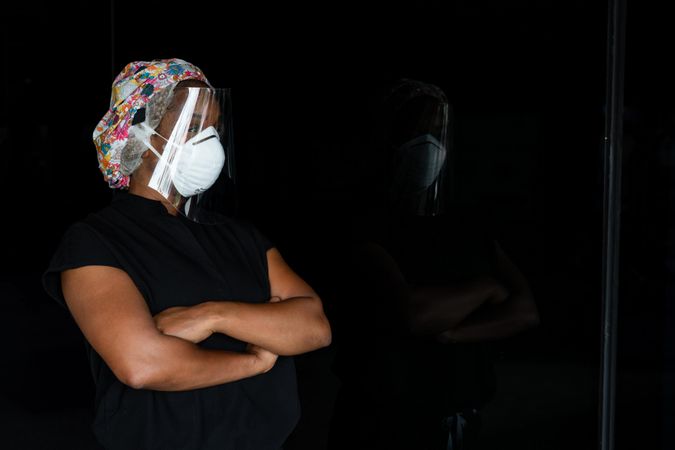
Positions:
(319, 335)
(327, 335)
(155, 363)
(137, 381)
(138, 375)
(131, 377)
(323, 334)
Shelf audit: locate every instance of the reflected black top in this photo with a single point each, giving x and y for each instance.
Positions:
(409, 374)
(174, 261)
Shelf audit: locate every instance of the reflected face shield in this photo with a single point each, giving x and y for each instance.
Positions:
(193, 146)
(421, 152)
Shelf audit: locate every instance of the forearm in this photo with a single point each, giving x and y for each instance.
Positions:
(289, 327)
(174, 364)
(434, 309)
(492, 322)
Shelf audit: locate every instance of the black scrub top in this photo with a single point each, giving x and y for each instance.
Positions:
(403, 390)
(176, 262)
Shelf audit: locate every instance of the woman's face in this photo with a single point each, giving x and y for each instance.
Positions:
(179, 124)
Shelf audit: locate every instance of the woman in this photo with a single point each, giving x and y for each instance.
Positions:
(190, 318)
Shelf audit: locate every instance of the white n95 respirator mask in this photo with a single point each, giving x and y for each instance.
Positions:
(193, 166)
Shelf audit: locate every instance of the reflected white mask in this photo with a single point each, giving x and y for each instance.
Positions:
(420, 161)
(197, 164)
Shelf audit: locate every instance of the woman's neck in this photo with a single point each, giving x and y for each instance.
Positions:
(137, 187)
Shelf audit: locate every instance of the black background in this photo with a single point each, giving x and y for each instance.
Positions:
(526, 80)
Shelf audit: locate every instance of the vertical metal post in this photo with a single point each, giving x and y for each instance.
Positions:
(616, 27)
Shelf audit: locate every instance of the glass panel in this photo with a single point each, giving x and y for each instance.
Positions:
(646, 357)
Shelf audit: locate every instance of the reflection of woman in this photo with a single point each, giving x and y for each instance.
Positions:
(190, 327)
(432, 291)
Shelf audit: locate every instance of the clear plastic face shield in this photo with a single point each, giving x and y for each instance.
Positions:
(420, 143)
(194, 164)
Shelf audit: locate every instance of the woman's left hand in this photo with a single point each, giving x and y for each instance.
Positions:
(186, 322)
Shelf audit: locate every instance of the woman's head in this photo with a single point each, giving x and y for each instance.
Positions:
(415, 146)
(142, 92)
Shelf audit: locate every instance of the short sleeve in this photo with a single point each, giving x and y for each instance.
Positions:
(261, 239)
(80, 246)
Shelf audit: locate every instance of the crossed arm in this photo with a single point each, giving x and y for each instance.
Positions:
(482, 308)
(510, 312)
(293, 322)
(160, 353)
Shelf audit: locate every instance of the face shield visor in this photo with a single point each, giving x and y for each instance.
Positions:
(420, 154)
(193, 153)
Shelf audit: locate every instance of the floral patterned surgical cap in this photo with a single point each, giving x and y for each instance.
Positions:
(132, 89)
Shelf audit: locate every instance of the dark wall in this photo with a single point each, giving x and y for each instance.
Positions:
(526, 81)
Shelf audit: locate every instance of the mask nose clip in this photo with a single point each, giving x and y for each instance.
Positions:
(213, 136)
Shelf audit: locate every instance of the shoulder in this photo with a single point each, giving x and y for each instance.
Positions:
(82, 235)
(80, 246)
(81, 242)
(246, 229)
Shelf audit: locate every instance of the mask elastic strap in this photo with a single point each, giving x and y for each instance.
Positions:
(147, 132)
